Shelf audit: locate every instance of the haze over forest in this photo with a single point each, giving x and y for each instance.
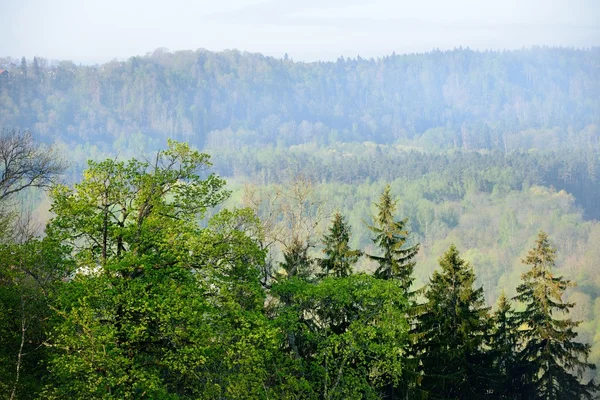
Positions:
(377, 226)
(308, 31)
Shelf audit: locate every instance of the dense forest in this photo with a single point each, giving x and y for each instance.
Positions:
(542, 98)
(135, 292)
(419, 226)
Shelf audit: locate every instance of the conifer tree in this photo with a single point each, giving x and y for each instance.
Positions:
(550, 354)
(391, 237)
(397, 263)
(340, 258)
(453, 324)
(296, 260)
(503, 343)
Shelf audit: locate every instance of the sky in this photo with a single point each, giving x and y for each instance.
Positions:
(96, 31)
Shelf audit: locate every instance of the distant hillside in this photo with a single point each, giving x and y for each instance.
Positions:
(536, 98)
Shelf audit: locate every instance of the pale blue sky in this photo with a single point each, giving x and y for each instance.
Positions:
(100, 30)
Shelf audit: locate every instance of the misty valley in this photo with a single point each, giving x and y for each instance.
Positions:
(228, 225)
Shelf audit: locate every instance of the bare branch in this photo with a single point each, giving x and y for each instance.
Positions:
(25, 164)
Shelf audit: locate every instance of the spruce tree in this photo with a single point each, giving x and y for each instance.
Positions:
(553, 362)
(397, 263)
(452, 326)
(340, 258)
(297, 261)
(397, 260)
(503, 344)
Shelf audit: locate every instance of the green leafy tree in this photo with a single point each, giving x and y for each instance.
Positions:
(553, 362)
(129, 338)
(29, 267)
(29, 275)
(397, 260)
(349, 333)
(340, 258)
(159, 307)
(131, 207)
(453, 324)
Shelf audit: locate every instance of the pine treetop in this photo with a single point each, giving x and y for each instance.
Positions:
(340, 258)
(453, 325)
(391, 236)
(550, 354)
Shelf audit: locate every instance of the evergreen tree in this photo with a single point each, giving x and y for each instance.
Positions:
(339, 256)
(391, 237)
(24, 84)
(296, 260)
(37, 72)
(23, 69)
(453, 324)
(503, 343)
(396, 262)
(550, 354)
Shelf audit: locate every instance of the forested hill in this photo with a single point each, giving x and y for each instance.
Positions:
(540, 97)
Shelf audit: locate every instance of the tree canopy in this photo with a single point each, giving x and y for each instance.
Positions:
(145, 285)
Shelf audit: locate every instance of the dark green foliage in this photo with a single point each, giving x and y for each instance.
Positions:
(396, 262)
(453, 325)
(30, 274)
(446, 176)
(504, 345)
(123, 337)
(551, 359)
(30, 268)
(340, 258)
(297, 261)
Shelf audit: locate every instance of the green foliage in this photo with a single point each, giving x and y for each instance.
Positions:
(452, 326)
(550, 354)
(340, 258)
(117, 337)
(502, 100)
(510, 198)
(504, 344)
(349, 332)
(144, 287)
(390, 238)
(161, 299)
(123, 207)
(29, 275)
(297, 261)
(440, 177)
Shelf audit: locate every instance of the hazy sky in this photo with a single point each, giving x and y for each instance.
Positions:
(100, 30)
